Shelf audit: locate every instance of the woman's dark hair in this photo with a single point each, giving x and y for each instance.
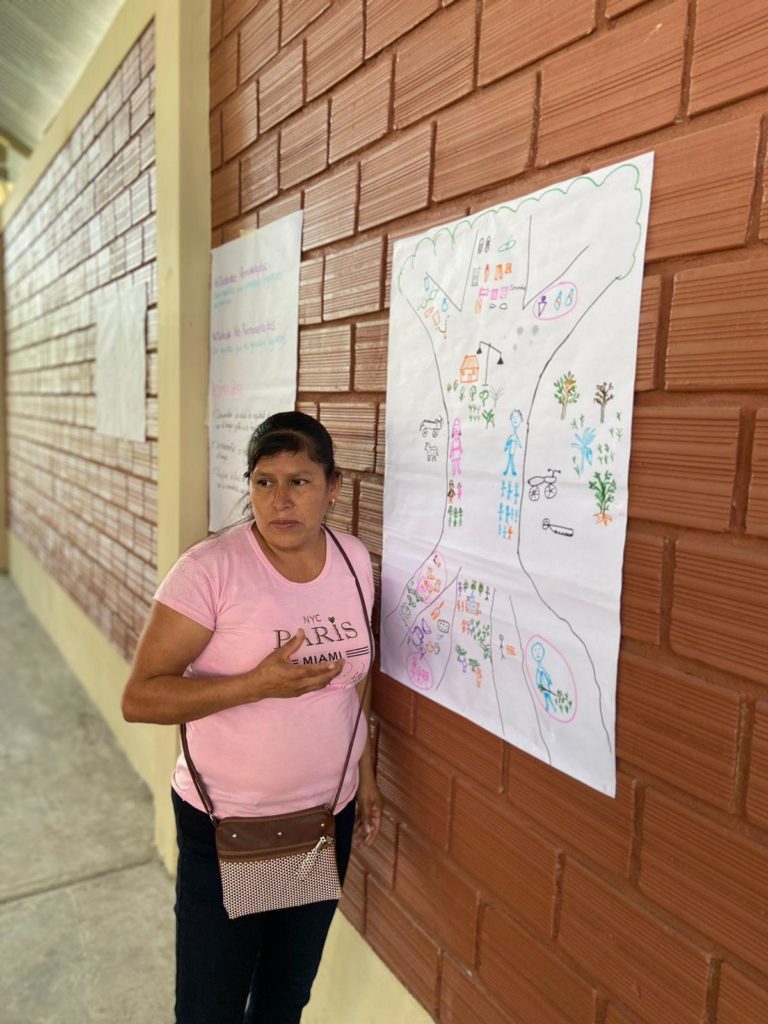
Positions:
(295, 433)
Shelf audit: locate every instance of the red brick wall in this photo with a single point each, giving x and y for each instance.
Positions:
(85, 504)
(500, 889)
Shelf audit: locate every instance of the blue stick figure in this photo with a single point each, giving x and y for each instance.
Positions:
(543, 678)
(513, 442)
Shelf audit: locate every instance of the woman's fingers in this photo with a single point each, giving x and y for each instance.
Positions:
(373, 824)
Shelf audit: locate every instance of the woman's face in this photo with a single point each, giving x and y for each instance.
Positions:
(290, 495)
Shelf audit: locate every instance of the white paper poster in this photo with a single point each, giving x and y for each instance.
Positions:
(254, 350)
(512, 347)
(121, 365)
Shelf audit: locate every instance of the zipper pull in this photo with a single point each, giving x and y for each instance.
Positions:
(311, 859)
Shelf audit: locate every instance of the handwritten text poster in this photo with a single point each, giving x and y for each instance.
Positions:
(512, 346)
(254, 334)
(121, 365)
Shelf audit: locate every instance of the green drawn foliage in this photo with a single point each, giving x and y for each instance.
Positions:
(566, 392)
(603, 486)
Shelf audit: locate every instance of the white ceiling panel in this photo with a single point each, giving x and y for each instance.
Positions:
(44, 47)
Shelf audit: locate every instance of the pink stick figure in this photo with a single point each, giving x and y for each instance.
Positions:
(456, 449)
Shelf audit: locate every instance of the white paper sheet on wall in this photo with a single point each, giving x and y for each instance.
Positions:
(121, 365)
(254, 350)
(512, 348)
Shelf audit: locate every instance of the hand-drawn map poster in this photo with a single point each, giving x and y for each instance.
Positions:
(512, 347)
(254, 344)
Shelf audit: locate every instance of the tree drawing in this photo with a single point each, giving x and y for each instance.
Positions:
(603, 395)
(603, 485)
(566, 392)
(583, 444)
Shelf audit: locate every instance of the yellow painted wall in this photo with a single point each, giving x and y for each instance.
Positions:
(354, 986)
(183, 245)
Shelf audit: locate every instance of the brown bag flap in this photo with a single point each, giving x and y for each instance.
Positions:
(278, 833)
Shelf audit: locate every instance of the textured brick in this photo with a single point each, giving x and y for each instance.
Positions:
(371, 355)
(352, 283)
(259, 38)
(757, 509)
(683, 465)
(414, 785)
(215, 140)
(341, 516)
(700, 204)
(281, 207)
(394, 180)
(461, 1000)
(324, 358)
(369, 522)
(241, 226)
(616, 7)
(583, 819)
(217, 20)
(436, 896)
(486, 138)
(223, 71)
(645, 374)
(612, 1014)
(718, 330)
(240, 122)
(281, 88)
(225, 194)
(387, 20)
(330, 208)
(679, 728)
(435, 64)
(351, 426)
(311, 291)
(297, 14)
(360, 109)
(470, 750)
(380, 858)
(334, 46)
(304, 146)
(623, 84)
(641, 588)
(235, 11)
(707, 875)
(258, 174)
(741, 1001)
(757, 794)
(394, 703)
(720, 607)
(515, 32)
(529, 980)
(510, 859)
(404, 947)
(730, 52)
(656, 972)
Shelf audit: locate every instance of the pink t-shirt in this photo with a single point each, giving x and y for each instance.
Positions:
(276, 755)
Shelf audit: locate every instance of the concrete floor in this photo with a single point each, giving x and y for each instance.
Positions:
(86, 909)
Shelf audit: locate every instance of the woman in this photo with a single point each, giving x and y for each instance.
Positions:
(257, 640)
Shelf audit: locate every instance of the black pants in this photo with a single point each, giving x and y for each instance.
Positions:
(268, 961)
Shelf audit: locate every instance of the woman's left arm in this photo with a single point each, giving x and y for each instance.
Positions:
(369, 801)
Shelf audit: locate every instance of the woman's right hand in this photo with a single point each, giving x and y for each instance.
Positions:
(279, 676)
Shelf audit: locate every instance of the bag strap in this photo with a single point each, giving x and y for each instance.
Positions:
(344, 555)
(201, 790)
